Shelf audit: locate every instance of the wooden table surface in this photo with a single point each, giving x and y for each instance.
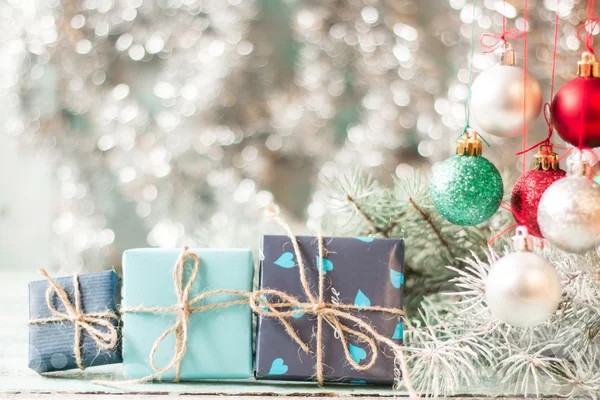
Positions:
(18, 382)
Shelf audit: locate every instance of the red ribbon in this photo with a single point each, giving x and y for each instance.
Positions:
(499, 40)
(589, 26)
(520, 222)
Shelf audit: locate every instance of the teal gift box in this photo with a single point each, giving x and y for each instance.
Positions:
(219, 340)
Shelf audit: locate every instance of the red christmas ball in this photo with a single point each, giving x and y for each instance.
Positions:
(527, 193)
(576, 111)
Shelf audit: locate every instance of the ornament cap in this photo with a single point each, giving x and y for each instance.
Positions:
(588, 65)
(579, 164)
(469, 144)
(545, 159)
(522, 241)
(506, 55)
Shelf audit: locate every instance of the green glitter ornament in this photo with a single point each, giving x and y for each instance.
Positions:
(466, 189)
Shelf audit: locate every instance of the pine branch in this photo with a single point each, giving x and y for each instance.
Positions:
(429, 221)
(454, 340)
(374, 229)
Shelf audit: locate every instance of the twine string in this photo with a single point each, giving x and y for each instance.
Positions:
(105, 338)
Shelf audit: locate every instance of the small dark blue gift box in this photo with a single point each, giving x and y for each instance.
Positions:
(58, 331)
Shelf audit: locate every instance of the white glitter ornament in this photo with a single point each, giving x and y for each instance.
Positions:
(498, 97)
(523, 289)
(569, 210)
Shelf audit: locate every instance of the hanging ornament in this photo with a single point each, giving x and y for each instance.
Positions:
(523, 289)
(529, 188)
(576, 107)
(499, 101)
(569, 210)
(466, 189)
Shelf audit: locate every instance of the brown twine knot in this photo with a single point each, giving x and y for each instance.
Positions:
(81, 321)
(185, 309)
(318, 308)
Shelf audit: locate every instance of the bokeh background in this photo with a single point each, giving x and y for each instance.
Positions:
(160, 123)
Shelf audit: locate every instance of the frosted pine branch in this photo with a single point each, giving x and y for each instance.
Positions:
(452, 339)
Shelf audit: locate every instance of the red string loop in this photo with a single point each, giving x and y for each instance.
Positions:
(547, 105)
(498, 236)
(535, 146)
(520, 222)
(499, 40)
(588, 39)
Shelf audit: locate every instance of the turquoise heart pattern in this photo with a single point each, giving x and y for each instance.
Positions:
(297, 315)
(357, 353)
(361, 299)
(286, 260)
(262, 296)
(397, 278)
(327, 265)
(278, 367)
(364, 239)
(399, 332)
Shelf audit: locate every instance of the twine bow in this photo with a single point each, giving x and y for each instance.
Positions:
(81, 321)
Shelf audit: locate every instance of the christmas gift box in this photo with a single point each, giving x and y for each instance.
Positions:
(360, 309)
(182, 318)
(73, 321)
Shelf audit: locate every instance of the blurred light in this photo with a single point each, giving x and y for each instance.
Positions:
(506, 9)
(405, 32)
(244, 48)
(78, 21)
(83, 46)
(369, 14)
(154, 44)
(106, 142)
(137, 52)
(124, 41)
(150, 192)
(120, 91)
(274, 142)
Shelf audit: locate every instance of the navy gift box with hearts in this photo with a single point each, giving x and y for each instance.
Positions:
(359, 271)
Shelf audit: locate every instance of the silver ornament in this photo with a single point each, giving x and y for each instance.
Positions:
(569, 212)
(523, 289)
(497, 98)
